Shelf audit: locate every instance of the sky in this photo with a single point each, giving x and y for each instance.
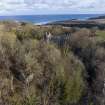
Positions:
(29, 7)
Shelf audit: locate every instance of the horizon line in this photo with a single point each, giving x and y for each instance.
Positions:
(54, 14)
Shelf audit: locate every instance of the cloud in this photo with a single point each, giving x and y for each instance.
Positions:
(14, 6)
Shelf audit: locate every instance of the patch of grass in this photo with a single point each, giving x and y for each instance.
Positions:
(100, 33)
(30, 101)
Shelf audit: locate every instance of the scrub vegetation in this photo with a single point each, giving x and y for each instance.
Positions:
(51, 65)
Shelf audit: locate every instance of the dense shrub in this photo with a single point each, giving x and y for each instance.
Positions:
(88, 49)
(33, 72)
(99, 65)
(74, 78)
(50, 71)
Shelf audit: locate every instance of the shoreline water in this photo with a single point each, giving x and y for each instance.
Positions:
(44, 19)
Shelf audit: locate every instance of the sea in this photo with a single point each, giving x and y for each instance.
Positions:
(43, 19)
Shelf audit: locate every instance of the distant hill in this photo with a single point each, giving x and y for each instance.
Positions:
(100, 23)
(99, 17)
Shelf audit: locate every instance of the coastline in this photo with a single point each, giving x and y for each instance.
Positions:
(44, 19)
(98, 22)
